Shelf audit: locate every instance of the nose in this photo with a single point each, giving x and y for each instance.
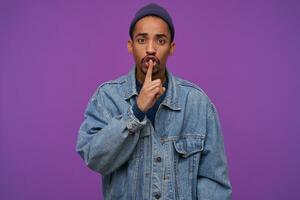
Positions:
(151, 48)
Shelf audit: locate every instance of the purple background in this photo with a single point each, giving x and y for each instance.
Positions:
(53, 55)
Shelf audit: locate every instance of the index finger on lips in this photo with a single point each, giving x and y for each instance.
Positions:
(148, 77)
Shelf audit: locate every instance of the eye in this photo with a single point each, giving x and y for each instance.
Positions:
(161, 41)
(141, 40)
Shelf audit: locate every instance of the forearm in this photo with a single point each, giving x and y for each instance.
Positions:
(112, 145)
(210, 189)
(213, 177)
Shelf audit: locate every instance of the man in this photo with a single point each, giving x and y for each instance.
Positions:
(150, 134)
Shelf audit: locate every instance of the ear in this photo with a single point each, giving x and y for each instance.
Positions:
(172, 48)
(130, 46)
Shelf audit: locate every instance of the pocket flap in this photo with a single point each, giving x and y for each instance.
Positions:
(189, 145)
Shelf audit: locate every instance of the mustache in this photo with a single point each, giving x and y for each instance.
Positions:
(148, 58)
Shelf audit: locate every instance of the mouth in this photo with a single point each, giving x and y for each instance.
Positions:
(147, 59)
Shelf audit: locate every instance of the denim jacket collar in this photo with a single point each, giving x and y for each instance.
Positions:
(172, 96)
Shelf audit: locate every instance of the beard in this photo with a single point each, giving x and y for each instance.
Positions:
(145, 64)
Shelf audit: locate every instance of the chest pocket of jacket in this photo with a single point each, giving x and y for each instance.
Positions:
(189, 145)
(186, 159)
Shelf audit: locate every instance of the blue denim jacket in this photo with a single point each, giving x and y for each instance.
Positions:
(183, 157)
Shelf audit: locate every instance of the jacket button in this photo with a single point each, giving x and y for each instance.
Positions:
(158, 159)
(157, 195)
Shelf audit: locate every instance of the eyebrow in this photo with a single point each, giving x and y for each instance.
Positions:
(145, 34)
(161, 35)
(141, 34)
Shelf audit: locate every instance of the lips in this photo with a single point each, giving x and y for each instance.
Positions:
(153, 58)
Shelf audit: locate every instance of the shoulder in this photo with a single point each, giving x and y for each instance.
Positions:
(112, 84)
(195, 95)
(191, 90)
(110, 87)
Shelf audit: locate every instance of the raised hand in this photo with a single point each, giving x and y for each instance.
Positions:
(151, 90)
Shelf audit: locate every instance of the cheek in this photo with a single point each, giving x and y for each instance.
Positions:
(136, 58)
(164, 52)
(164, 56)
(138, 54)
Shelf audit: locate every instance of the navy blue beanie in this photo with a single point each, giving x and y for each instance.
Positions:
(153, 9)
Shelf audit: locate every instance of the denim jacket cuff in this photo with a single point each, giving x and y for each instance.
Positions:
(137, 112)
(134, 124)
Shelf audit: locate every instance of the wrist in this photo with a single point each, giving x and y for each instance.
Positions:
(138, 113)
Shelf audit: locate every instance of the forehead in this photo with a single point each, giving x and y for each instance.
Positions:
(151, 25)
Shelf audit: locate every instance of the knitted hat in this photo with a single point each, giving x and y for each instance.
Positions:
(153, 9)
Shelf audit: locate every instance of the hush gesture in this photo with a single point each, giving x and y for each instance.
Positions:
(151, 90)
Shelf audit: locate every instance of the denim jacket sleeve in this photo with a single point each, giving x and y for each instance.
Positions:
(106, 141)
(213, 182)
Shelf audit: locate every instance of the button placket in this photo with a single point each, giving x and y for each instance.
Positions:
(158, 159)
(157, 170)
(168, 180)
(157, 195)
